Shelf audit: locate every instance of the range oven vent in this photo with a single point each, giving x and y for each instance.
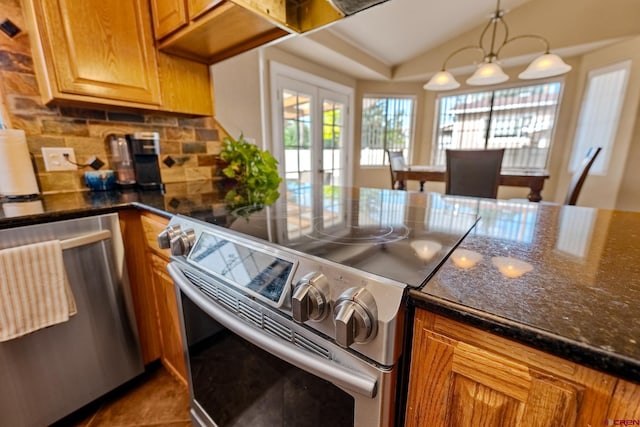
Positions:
(303, 342)
(234, 303)
(277, 329)
(251, 314)
(229, 300)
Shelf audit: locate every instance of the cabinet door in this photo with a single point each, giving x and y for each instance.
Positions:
(185, 86)
(168, 320)
(625, 404)
(168, 16)
(456, 383)
(101, 49)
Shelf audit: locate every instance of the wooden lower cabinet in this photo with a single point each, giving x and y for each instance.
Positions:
(462, 376)
(168, 320)
(142, 291)
(153, 292)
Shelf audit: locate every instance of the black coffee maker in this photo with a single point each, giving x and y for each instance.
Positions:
(145, 148)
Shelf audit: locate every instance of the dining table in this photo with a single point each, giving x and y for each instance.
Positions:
(533, 179)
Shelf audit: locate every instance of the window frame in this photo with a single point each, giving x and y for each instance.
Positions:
(412, 128)
(519, 84)
(579, 147)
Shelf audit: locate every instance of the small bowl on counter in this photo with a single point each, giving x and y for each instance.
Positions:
(100, 180)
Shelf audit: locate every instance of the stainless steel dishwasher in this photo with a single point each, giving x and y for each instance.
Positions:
(50, 373)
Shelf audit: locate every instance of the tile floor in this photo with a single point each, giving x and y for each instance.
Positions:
(154, 399)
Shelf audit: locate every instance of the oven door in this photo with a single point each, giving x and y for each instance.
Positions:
(242, 375)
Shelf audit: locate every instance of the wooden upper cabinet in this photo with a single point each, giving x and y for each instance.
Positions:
(93, 51)
(168, 16)
(198, 7)
(217, 30)
(466, 377)
(102, 53)
(171, 15)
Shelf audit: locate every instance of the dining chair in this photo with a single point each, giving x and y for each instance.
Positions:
(396, 161)
(580, 175)
(474, 173)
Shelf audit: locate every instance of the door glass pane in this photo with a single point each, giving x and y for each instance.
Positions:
(297, 137)
(296, 107)
(333, 135)
(314, 137)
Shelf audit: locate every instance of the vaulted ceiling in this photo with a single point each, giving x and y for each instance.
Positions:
(407, 40)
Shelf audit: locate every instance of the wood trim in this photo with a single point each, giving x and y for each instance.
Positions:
(141, 287)
(152, 225)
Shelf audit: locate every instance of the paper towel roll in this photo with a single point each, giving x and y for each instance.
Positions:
(17, 177)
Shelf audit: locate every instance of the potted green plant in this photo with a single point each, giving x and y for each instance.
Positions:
(253, 173)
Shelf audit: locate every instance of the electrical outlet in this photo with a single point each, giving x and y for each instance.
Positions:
(54, 159)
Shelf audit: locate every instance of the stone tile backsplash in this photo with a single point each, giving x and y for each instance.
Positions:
(192, 144)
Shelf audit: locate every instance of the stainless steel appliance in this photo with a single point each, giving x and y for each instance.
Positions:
(145, 148)
(290, 317)
(52, 372)
(121, 161)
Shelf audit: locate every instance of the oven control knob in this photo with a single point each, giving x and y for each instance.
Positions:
(309, 301)
(355, 317)
(182, 243)
(165, 236)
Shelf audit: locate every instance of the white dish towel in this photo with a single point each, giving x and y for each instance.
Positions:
(34, 291)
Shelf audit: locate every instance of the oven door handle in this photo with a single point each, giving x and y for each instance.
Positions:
(332, 372)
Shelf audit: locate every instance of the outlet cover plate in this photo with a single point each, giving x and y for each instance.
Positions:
(54, 159)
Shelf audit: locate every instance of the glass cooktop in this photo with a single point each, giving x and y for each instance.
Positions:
(403, 236)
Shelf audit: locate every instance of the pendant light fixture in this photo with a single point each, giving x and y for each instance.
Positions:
(490, 72)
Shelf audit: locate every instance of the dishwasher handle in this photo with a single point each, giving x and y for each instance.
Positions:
(85, 239)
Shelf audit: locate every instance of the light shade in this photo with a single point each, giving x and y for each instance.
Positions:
(547, 65)
(488, 73)
(442, 80)
(426, 249)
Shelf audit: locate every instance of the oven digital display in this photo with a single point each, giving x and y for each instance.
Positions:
(247, 268)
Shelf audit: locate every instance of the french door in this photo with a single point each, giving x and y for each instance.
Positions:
(311, 130)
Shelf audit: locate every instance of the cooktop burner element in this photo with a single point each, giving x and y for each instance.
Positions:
(358, 235)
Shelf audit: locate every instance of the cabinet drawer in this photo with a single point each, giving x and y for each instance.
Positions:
(152, 225)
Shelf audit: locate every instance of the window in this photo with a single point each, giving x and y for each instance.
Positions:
(519, 119)
(387, 124)
(600, 114)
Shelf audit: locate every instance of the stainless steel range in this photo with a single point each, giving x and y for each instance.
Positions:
(293, 315)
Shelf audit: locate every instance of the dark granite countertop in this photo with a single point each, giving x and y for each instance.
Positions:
(562, 279)
(199, 198)
(577, 295)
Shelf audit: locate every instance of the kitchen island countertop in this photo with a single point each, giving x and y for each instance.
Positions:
(565, 280)
(562, 279)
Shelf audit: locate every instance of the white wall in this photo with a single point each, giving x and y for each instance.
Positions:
(236, 83)
(240, 83)
(603, 191)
